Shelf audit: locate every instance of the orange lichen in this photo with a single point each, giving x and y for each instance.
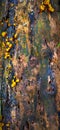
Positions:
(46, 5)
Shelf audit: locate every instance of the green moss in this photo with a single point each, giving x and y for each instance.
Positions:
(58, 45)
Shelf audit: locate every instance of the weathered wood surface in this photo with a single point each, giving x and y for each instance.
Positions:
(30, 104)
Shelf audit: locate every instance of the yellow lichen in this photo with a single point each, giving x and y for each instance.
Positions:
(13, 84)
(7, 49)
(7, 43)
(51, 9)
(15, 36)
(4, 34)
(3, 44)
(11, 39)
(7, 55)
(14, 24)
(9, 66)
(42, 7)
(7, 124)
(17, 80)
(46, 5)
(46, 2)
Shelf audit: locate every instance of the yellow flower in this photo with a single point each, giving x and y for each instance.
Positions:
(13, 84)
(4, 34)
